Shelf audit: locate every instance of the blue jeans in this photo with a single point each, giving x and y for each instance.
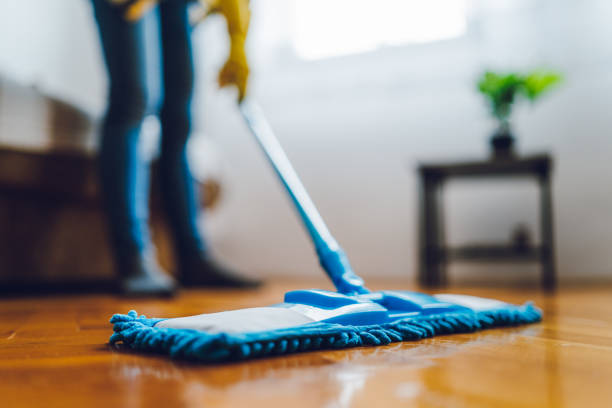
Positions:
(140, 85)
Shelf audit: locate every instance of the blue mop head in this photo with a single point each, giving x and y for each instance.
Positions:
(316, 320)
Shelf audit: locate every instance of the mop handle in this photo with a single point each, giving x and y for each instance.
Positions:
(331, 257)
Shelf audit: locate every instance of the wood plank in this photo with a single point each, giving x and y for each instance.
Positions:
(53, 352)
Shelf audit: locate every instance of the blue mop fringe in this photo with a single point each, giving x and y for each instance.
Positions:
(140, 333)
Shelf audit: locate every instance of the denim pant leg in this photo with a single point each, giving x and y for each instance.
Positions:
(178, 185)
(124, 173)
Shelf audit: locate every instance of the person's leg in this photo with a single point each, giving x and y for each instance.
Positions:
(124, 174)
(178, 187)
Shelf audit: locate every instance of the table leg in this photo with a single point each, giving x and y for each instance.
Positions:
(549, 280)
(431, 268)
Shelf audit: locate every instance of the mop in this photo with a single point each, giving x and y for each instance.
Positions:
(313, 319)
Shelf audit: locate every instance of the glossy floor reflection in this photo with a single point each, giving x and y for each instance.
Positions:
(54, 352)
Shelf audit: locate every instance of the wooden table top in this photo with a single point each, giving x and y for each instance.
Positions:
(54, 353)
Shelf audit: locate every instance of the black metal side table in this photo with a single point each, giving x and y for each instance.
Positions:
(434, 255)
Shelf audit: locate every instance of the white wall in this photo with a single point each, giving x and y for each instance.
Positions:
(357, 126)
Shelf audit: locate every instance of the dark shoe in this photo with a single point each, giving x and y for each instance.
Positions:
(142, 276)
(201, 271)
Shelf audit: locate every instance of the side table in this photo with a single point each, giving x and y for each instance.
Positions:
(434, 254)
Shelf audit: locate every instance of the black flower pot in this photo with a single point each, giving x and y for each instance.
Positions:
(502, 144)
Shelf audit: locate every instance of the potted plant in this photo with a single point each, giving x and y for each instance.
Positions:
(501, 91)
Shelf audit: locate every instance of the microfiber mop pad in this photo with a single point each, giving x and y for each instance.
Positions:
(314, 319)
(268, 331)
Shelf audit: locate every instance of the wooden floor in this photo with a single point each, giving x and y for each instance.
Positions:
(54, 353)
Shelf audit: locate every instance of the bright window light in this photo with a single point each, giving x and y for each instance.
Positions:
(328, 28)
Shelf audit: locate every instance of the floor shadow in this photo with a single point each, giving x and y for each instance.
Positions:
(68, 287)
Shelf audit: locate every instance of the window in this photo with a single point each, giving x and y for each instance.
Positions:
(328, 28)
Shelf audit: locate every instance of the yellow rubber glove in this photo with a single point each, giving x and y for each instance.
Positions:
(235, 71)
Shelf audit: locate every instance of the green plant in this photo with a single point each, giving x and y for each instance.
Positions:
(502, 90)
